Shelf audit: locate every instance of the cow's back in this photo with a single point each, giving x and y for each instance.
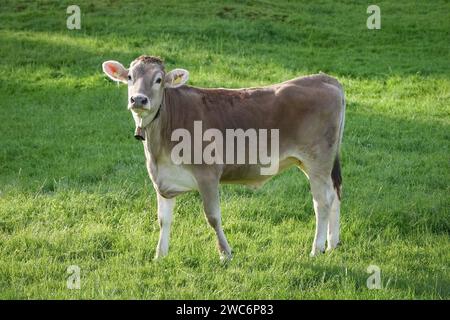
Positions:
(259, 107)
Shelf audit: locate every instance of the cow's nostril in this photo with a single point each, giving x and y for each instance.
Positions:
(132, 100)
(144, 101)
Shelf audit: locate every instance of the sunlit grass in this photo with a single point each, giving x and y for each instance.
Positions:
(74, 189)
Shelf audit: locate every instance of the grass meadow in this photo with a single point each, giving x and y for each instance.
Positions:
(74, 189)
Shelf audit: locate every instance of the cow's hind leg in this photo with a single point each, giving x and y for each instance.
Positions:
(165, 211)
(323, 197)
(333, 221)
(333, 225)
(210, 196)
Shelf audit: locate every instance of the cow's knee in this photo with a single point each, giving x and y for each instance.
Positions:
(213, 220)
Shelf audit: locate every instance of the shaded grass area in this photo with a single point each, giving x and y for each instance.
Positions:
(74, 189)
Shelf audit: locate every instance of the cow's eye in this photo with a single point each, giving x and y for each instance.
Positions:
(129, 77)
(158, 80)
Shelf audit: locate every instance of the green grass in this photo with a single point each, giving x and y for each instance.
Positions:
(74, 188)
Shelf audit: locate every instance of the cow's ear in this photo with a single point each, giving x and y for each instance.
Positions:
(176, 78)
(115, 70)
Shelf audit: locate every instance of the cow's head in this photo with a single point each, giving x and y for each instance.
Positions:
(146, 79)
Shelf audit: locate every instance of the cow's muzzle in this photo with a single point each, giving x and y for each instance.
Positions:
(139, 101)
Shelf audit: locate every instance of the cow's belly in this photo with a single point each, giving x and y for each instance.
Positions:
(251, 174)
(171, 180)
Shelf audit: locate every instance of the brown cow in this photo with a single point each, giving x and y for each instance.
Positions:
(305, 115)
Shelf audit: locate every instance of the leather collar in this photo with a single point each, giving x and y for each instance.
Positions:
(139, 132)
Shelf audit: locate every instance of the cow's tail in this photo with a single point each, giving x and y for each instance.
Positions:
(336, 175)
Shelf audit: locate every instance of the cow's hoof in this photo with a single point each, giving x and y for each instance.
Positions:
(158, 257)
(316, 252)
(331, 248)
(225, 258)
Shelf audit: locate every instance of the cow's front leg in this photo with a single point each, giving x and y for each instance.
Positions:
(165, 211)
(211, 204)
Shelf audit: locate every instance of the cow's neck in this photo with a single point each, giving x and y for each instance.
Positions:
(154, 132)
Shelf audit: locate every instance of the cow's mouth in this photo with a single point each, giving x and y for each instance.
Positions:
(139, 134)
